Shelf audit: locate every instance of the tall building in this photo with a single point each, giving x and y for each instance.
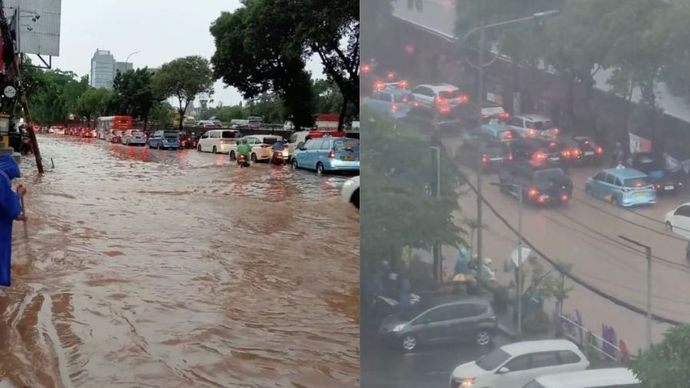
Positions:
(102, 69)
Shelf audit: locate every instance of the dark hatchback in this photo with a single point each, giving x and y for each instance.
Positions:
(538, 152)
(655, 167)
(541, 185)
(465, 320)
(591, 152)
(495, 152)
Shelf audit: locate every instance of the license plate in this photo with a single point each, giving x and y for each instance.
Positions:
(553, 159)
(348, 158)
(641, 194)
(589, 153)
(669, 187)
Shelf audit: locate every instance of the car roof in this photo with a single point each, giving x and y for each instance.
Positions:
(440, 87)
(525, 347)
(534, 117)
(586, 378)
(625, 172)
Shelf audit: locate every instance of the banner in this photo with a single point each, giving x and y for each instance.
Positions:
(639, 144)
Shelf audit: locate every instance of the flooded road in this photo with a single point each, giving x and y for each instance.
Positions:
(140, 267)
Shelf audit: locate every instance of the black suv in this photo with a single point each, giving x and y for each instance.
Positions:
(538, 152)
(655, 167)
(470, 319)
(495, 152)
(537, 185)
(591, 152)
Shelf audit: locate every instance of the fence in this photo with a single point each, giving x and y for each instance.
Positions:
(592, 343)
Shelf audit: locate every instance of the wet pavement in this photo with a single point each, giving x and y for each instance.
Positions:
(141, 267)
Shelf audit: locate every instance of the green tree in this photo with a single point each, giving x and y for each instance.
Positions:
(162, 114)
(183, 78)
(53, 94)
(94, 103)
(665, 365)
(327, 96)
(396, 193)
(135, 93)
(249, 57)
(267, 106)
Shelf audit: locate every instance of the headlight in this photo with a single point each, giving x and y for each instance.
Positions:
(468, 382)
(398, 328)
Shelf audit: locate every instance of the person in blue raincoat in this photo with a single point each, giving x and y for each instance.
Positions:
(10, 210)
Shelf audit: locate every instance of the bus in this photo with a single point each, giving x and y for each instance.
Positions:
(107, 127)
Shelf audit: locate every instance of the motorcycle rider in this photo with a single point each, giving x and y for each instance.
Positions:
(278, 146)
(244, 149)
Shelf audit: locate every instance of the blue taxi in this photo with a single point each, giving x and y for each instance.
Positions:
(328, 154)
(622, 186)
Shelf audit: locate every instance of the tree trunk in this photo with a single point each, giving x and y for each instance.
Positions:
(146, 122)
(343, 111)
(181, 112)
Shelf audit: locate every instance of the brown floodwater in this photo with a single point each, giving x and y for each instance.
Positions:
(143, 268)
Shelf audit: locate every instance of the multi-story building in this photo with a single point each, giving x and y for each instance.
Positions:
(104, 68)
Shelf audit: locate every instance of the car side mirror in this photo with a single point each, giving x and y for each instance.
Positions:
(503, 371)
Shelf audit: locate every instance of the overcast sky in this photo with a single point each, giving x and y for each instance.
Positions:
(161, 30)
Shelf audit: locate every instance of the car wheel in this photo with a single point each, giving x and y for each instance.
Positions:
(232, 155)
(215, 150)
(483, 338)
(253, 158)
(319, 169)
(409, 343)
(355, 198)
(198, 148)
(294, 164)
(669, 226)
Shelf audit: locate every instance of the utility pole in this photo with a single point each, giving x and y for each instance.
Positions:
(648, 254)
(519, 267)
(438, 265)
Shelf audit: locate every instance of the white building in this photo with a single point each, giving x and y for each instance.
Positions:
(104, 67)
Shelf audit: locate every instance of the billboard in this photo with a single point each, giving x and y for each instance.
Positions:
(38, 27)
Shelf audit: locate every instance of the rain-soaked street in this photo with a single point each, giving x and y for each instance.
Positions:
(140, 267)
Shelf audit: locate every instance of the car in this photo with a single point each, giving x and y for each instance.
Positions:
(471, 319)
(86, 132)
(299, 138)
(328, 154)
(392, 102)
(218, 141)
(494, 111)
(165, 139)
(500, 131)
(350, 192)
(592, 153)
(516, 364)
(428, 120)
(495, 152)
(536, 185)
(134, 137)
(533, 126)
(261, 147)
(537, 152)
(593, 378)
(187, 141)
(663, 180)
(571, 153)
(622, 186)
(678, 220)
(441, 97)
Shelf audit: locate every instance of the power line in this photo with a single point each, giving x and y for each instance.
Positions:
(571, 276)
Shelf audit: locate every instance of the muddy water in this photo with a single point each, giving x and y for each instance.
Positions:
(172, 268)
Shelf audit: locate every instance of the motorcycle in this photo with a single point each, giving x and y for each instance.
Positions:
(242, 161)
(280, 157)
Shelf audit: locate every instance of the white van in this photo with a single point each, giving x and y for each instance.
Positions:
(217, 140)
(593, 378)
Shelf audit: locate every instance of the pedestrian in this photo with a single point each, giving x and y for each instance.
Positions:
(10, 210)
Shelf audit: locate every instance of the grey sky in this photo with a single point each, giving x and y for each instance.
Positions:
(161, 29)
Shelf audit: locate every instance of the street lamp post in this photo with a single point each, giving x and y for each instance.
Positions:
(518, 267)
(648, 254)
(438, 272)
(480, 83)
(135, 52)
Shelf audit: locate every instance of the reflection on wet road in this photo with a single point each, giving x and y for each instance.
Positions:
(141, 267)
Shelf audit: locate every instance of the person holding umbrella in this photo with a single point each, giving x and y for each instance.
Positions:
(11, 209)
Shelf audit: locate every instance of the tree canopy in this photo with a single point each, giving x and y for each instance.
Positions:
(135, 94)
(665, 365)
(53, 94)
(183, 79)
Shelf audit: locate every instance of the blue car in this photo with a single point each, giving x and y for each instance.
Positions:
(328, 154)
(622, 186)
(500, 131)
(165, 140)
(392, 102)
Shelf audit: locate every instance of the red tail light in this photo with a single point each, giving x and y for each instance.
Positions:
(510, 156)
(533, 192)
(463, 99)
(553, 144)
(390, 75)
(444, 109)
(531, 132)
(415, 104)
(331, 155)
(394, 107)
(507, 135)
(539, 156)
(403, 84)
(576, 153)
(439, 100)
(485, 159)
(503, 115)
(366, 68)
(378, 85)
(556, 131)
(599, 150)
(564, 197)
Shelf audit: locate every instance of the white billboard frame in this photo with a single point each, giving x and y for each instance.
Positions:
(37, 25)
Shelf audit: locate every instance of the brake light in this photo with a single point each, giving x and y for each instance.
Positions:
(503, 115)
(565, 153)
(444, 109)
(510, 156)
(599, 150)
(533, 192)
(485, 159)
(378, 86)
(556, 131)
(221, 142)
(366, 68)
(576, 153)
(439, 100)
(507, 135)
(539, 156)
(403, 84)
(531, 132)
(331, 155)
(415, 104)
(553, 144)
(394, 107)
(564, 197)
(463, 98)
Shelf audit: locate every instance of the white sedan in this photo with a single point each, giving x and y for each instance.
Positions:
(678, 220)
(350, 192)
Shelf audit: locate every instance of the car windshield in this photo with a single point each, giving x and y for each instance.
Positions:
(229, 135)
(636, 182)
(270, 140)
(542, 176)
(493, 360)
(171, 134)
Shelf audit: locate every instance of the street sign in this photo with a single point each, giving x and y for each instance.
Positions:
(526, 252)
